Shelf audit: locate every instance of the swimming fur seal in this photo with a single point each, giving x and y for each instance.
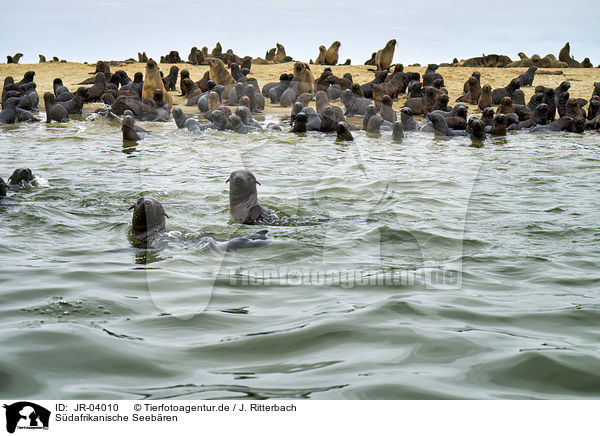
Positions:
(440, 127)
(243, 199)
(148, 222)
(128, 128)
(54, 111)
(21, 176)
(148, 219)
(343, 132)
(397, 131)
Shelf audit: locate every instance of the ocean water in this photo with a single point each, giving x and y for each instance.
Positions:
(424, 269)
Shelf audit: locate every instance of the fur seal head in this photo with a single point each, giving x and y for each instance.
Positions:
(148, 219)
(20, 176)
(243, 197)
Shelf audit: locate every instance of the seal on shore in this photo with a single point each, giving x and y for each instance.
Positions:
(321, 58)
(332, 53)
(218, 72)
(153, 81)
(383, 58)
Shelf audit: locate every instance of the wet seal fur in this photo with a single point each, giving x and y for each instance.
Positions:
(243, 199)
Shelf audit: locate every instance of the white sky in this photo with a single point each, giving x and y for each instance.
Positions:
(427, 31)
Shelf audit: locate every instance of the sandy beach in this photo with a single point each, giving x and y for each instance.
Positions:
(582, 79)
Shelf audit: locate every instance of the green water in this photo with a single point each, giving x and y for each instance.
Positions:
(426, 269)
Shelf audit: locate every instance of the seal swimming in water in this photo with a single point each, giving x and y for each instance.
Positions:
(2, 188)
(476, 129)
(20, 176)
(243, 199)
(54, 111)
(128, 128)
(148, 219)
(397, 131)
(148, 223)
(343, 132)
(440, 127)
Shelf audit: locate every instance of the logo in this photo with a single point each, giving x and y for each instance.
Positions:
(26, 415)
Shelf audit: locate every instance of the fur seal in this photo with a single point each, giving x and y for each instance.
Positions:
(499, 125)
(397, 131)
(473, 91)
(407, 120)
(218, 72)
(8, 115)
(383, 58)
(243, 199)
(477, 76)
(422, 105)
(54, 111)
(75, 104)
(321, 58)
(239, 127)
(549, 99)
(386, 110)
(332, 55)
(491, 60)
(354, 105)
(280, 55)
(508, 91)
(538, 117)
(148, 223)
(343, 132)
(21, 176)
(440, 127)
(526, 79)
(485, 99)
(565, 56)
(304, 77)
(171, 79)
(476, 129)
(153, 81)
(299, 123)
(328, 119)
(148, 220)
(128, 128)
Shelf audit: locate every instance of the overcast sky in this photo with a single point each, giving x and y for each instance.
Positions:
(426, 31)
